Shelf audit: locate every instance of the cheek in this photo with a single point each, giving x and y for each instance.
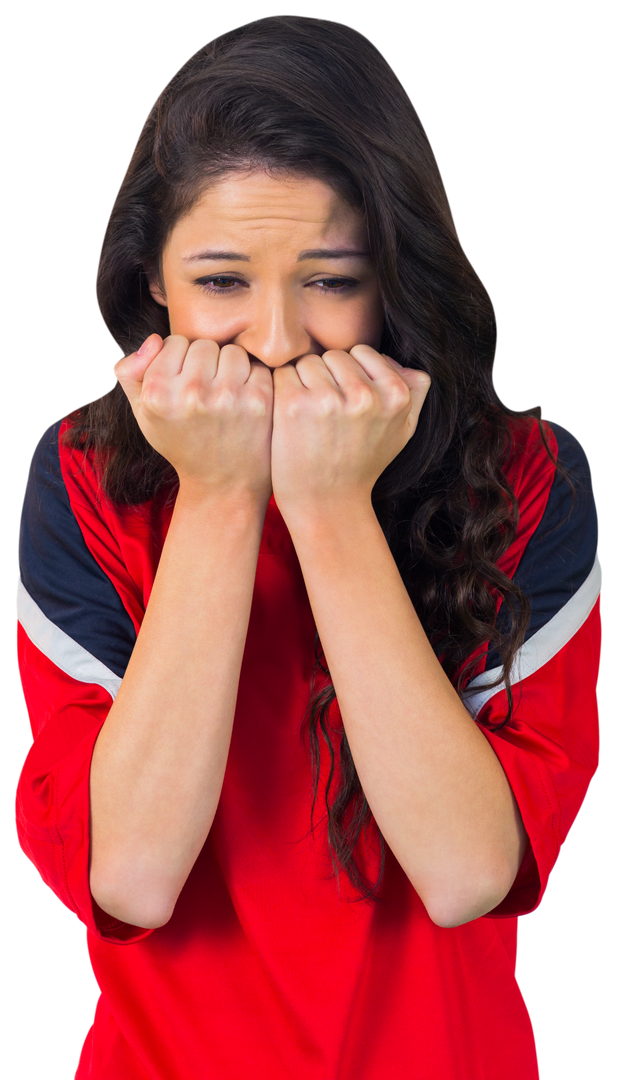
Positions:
(341, 326)
(373, 321)
(190, 316)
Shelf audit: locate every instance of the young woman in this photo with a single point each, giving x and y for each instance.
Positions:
(309, 619)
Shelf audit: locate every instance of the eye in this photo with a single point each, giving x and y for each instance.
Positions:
(205, 283)
(340, 284)
(344, 284)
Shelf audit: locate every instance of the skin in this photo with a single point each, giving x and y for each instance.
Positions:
(314, 322)
(274, 384)
(281, 308)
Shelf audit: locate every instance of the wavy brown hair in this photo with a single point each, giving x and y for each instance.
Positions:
(316, 98)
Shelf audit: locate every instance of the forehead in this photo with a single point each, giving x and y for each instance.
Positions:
(257, 204)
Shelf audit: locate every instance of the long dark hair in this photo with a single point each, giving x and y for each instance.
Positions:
(317, 98)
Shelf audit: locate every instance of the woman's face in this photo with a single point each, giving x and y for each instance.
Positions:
(278, 266)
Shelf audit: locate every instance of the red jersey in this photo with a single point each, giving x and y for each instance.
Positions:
(265, 970)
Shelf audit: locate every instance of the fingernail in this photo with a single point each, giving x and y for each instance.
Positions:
(143, 348)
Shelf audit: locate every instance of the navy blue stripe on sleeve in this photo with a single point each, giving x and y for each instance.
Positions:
(60, 573)
(560, 555)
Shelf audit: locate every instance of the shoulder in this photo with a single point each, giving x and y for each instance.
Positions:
(551, 473)
(55, 454)
(73, 583)
(535, 445)
(46, 508)
(63, 485)
(553, 561)
(553, 558)
(45, 465)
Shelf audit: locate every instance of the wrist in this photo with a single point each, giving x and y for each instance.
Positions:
(325, 514)
(194, 496)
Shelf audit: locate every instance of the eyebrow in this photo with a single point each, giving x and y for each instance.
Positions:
(315, 253)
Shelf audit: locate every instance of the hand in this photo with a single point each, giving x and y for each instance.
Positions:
(207, 410)
(338, 421)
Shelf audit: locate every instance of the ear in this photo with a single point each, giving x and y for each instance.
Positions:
(156, 291)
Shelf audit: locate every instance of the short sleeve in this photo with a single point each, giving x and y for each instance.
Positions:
(75, 639)
(549, 747)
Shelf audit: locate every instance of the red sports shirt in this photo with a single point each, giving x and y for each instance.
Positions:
(264, 970)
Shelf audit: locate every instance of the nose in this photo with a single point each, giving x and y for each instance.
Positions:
(276, 334)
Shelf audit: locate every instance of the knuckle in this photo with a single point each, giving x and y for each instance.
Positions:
(193, 395)
(203, 345)
(257, 406)
(400, 394)
(361, 397)
(152, 398)
(234, 352)
(225, 400)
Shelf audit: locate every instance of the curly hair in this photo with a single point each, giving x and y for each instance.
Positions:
(316, 98)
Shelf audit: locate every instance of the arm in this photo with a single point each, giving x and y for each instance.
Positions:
(159, 760)
(434, 784)
(158, 764)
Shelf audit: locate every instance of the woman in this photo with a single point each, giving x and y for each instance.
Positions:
(309, 619)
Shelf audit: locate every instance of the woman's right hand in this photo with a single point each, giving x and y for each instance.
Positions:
(208, 411)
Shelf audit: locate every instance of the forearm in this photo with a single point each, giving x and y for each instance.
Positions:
(433, 782)
(159, 761)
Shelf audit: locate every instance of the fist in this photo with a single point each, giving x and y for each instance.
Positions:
(339, 420)
(208, 411)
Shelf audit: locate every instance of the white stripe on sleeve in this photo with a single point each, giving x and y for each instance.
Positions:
(58, 647)
(541, 646)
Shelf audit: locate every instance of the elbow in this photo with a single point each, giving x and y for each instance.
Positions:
(132, 916)
(142, 910)
(449, 917)
(458, 895)
(457, 907)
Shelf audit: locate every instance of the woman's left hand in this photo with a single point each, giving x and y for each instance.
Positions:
(338, 421)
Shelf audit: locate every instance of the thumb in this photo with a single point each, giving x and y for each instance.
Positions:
(417, 381)
(130, 370)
